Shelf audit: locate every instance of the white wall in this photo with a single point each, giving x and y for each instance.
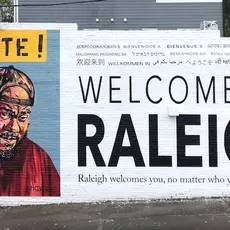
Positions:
(201, 61)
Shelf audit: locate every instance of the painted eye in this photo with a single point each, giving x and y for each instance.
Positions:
(4, 114)
(23, 118)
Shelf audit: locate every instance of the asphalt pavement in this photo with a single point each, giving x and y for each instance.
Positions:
(210, 214)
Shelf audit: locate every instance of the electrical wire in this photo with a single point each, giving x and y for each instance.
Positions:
(55, 4)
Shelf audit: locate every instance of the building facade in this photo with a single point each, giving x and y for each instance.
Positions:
(123, 14)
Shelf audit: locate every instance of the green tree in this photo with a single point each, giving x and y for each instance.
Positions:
(6, 11)
(227, 26)
(226, 17)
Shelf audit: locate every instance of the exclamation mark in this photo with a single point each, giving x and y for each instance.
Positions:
(40, 45)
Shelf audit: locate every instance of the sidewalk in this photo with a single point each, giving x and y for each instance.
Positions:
(210, 214)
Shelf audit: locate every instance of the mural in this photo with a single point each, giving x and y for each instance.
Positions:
(85, 115)
(26, 169)
(29, 123)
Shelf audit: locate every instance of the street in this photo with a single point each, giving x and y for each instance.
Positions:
(210, 214)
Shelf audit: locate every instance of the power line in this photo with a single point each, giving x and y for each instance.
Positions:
(55, 4)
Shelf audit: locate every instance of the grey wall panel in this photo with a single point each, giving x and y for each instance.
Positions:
(139, 14)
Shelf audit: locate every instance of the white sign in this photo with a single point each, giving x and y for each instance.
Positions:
(136, 118)
(147, 117)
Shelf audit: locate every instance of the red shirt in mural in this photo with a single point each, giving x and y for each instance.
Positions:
(30, 172)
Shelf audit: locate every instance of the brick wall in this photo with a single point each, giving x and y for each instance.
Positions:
(150, 104)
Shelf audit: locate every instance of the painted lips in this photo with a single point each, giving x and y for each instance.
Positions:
(8, 139)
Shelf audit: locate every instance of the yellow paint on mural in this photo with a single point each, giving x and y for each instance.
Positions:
(23, 45)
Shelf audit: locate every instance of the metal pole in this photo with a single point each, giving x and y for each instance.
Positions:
(15, 11)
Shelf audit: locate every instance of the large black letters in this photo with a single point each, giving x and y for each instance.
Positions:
(212, 140)
(183, 140)
(133, 150)
(147, 90)
(198, 83)
(170, 89)
(92, 142)
(85, 95)
(226, 88)
(227, 140)
(154, 159)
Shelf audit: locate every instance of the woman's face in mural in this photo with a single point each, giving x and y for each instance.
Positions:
(14, 119)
